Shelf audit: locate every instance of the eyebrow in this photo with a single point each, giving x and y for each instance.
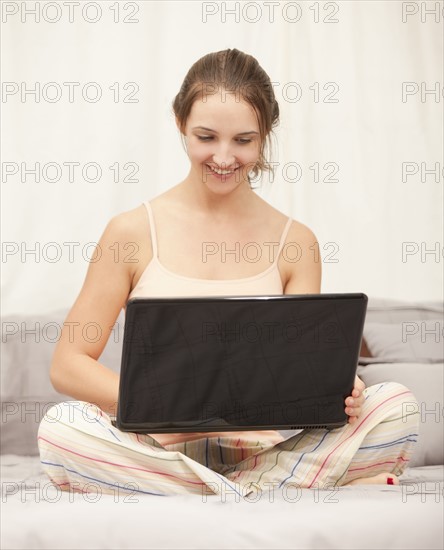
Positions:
(214, 131)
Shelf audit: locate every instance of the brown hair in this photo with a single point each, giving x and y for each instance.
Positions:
(237, 73)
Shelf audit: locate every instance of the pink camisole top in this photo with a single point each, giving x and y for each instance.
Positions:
(158, 281)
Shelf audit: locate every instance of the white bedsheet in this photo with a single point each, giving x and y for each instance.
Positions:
(36, 515)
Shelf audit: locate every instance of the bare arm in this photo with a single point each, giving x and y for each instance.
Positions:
(305, 271)
(75, 370)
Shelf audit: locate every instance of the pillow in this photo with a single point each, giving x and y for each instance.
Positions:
(28, 343)
(426, 382)
(387, 310)
(416, 341)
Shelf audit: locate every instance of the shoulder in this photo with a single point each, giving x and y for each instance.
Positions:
(297, 232)
(128, 225)
(300, 260)
(126, 239)
(301, 234)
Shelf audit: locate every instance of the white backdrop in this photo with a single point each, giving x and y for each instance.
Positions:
(360, 88)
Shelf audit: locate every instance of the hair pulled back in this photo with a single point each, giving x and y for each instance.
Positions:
(240, 74)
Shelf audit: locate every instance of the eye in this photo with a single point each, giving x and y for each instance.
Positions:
(242, 141)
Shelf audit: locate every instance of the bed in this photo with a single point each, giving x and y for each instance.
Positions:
(403, 342)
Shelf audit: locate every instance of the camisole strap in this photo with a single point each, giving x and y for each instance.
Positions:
(154, 235)
(283, 237)
(152, 228)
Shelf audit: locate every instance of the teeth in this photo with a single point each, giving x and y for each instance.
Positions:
(221, 172)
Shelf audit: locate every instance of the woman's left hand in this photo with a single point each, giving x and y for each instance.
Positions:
(355, 401)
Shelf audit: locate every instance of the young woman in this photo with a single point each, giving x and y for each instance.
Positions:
(225, 111)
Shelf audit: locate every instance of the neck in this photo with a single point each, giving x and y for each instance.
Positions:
(194, 194)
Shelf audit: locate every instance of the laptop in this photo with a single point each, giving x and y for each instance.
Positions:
(228, 363)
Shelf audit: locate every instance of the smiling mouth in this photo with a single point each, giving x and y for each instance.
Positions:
(222, 172)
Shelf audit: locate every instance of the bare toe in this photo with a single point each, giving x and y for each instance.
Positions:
(386, 478)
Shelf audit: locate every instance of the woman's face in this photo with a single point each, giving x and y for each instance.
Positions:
(222, 134)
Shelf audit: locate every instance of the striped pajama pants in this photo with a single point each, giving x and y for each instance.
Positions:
(80, 450)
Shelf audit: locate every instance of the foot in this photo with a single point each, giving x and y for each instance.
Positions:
(381, 479)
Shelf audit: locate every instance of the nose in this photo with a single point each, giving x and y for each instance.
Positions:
(223, 156)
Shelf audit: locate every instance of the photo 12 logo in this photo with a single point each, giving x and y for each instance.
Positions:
(296, 331)
(69, 92)
(270, 491)
(426, 12)
(426, 91)
(252, 252)
(28, 332)
(68, 172)
(290, 92)
(71, 12)
(53, 252)
(421, 172)
(90, 492)
(291, 172)
(271, 12)
(422, 251)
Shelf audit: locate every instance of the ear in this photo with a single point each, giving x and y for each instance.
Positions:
(182, 135)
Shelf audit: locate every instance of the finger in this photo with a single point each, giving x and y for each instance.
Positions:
(355, 401)
(360, 400)
(359, 384)
(353, 411)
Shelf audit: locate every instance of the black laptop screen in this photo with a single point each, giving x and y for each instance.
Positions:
(237, 363)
